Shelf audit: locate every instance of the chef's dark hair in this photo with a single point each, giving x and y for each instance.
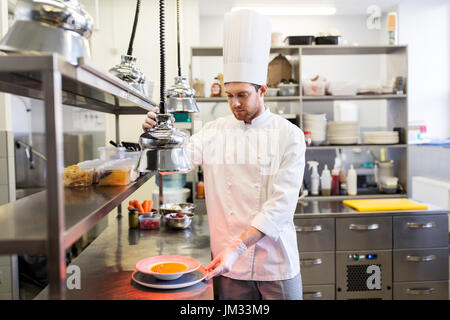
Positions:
(257, 86)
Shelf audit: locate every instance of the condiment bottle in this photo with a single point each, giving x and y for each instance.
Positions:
(335, 182)
(216, 89)
(325, 180)
(308, 139)
(352, 182)
(342, 181)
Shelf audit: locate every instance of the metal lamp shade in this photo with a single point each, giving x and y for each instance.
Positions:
(181, 98)
(128, 71)
(50, 26)
(165, 161)
(162, 149)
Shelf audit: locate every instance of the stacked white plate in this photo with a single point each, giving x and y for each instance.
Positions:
(317, 125)
(380, 137)
(343, 132)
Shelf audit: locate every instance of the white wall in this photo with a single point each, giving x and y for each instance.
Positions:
(111, 40)
(424, 26)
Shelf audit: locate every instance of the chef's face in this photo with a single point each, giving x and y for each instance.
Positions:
(245, 101)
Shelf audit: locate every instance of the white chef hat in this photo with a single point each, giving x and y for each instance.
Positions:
(246, 47)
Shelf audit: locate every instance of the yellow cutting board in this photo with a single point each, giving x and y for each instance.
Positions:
(384, 204)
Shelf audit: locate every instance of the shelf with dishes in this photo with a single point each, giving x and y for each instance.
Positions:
(354, 97)
(355, 146)
(267, 98)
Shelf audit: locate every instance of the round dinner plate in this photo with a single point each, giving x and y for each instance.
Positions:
(145, 264)
(186, 280)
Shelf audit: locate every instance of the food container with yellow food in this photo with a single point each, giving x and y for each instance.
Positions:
(115, 174)
(75, 176)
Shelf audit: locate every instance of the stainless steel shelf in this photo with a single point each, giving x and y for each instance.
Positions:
(266, 98)
(357, 97)
(84, 86)
(309, 50)
(359, 196)
(356, 146)
(23, 223)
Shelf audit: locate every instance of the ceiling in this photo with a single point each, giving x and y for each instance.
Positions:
(343, 7)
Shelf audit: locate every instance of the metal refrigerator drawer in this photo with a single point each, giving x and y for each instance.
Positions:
(315, 234)
(317, 267)
(427, 290)
(421, 231)
(318, 292)
(369, 233)
(421, 264)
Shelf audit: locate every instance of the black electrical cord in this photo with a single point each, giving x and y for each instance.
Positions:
(178, 38)
(162, 56)
(133, 33)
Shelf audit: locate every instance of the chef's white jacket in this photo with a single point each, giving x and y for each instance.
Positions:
(252, 175)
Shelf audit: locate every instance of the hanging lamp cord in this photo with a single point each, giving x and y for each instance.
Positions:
(133, 32)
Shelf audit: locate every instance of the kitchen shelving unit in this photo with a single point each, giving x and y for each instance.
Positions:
(51, 221)
(395, 64)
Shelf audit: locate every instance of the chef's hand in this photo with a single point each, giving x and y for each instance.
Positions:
(150, 120)
(226, 259)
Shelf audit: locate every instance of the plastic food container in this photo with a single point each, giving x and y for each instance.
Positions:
(272, 92)
(115, 174)
(299, 40)
(95, 165)
(149, 221)
(288, 89)
(75, 176)
(314, 88)
(112, 153)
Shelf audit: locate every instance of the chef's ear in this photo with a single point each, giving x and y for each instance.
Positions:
(263, 90)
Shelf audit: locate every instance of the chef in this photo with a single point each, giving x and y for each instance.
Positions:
(253, 163)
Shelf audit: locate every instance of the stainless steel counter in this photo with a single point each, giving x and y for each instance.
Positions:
(335, 208)
(107, 264)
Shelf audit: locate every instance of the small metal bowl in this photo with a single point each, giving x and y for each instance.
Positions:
(183, 207)
(178, 223)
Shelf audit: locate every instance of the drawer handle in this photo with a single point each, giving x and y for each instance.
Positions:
(309, 262)
(364, 227)
(427, 225)
(420, 291)
(308, 228)
(317, 294)
(421, 259)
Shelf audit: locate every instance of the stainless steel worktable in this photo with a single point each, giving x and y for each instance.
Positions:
(107, 263)
(335, 208)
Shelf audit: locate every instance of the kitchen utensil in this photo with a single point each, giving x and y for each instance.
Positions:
(384, 204)
(62, 27)
(186, 280)
(146, 264)
(176, 222)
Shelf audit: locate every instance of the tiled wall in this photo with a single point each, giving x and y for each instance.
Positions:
(7, 181)
(429, 161)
